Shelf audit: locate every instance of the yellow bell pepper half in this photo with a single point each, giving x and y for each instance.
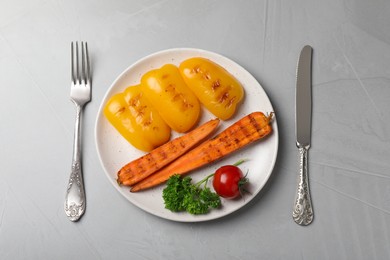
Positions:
(136, 119)
(167, 91)
(216, 88)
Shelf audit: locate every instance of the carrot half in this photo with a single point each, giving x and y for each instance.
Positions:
(146, 165)
(247, 130)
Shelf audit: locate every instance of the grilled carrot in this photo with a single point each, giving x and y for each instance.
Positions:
(245, 131)
(149, 163)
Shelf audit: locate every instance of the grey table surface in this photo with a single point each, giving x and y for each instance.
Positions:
(349, 158)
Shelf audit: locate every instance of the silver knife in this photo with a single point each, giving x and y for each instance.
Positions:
(303, 209)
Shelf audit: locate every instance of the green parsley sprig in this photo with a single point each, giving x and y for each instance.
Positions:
(181, 194)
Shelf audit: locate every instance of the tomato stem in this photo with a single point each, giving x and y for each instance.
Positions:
(204, 180)
(240, 162)
(241, 184)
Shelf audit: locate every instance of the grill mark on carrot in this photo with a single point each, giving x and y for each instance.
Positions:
(245, 131)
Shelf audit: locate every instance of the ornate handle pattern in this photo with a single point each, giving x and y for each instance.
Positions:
(303, 209)
(74, 205)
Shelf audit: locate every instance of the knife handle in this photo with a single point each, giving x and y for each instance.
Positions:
(303, 209)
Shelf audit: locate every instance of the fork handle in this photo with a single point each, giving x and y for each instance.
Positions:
(75, 195)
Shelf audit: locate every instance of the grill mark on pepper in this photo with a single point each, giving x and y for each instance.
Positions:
(215, 85)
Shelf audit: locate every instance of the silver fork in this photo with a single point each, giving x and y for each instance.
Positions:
(80, 94)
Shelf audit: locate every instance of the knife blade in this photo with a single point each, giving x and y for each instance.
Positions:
(303, 209)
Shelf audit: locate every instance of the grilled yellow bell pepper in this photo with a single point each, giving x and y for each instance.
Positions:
(215, 87)
(136, 119)
(167, 91)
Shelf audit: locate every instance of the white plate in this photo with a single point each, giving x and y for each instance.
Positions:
(114, 151)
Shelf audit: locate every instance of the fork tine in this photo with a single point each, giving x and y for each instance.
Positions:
(72, 63)
(77, 64)
(83, 78)
(87, 65)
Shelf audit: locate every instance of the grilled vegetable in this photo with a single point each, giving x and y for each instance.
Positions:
(229, 181)
(215, 87)
(161, 156)
(136, 119)
(168, 92)
(245, 131)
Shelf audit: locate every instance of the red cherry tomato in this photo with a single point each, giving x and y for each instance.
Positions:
(228, 180)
